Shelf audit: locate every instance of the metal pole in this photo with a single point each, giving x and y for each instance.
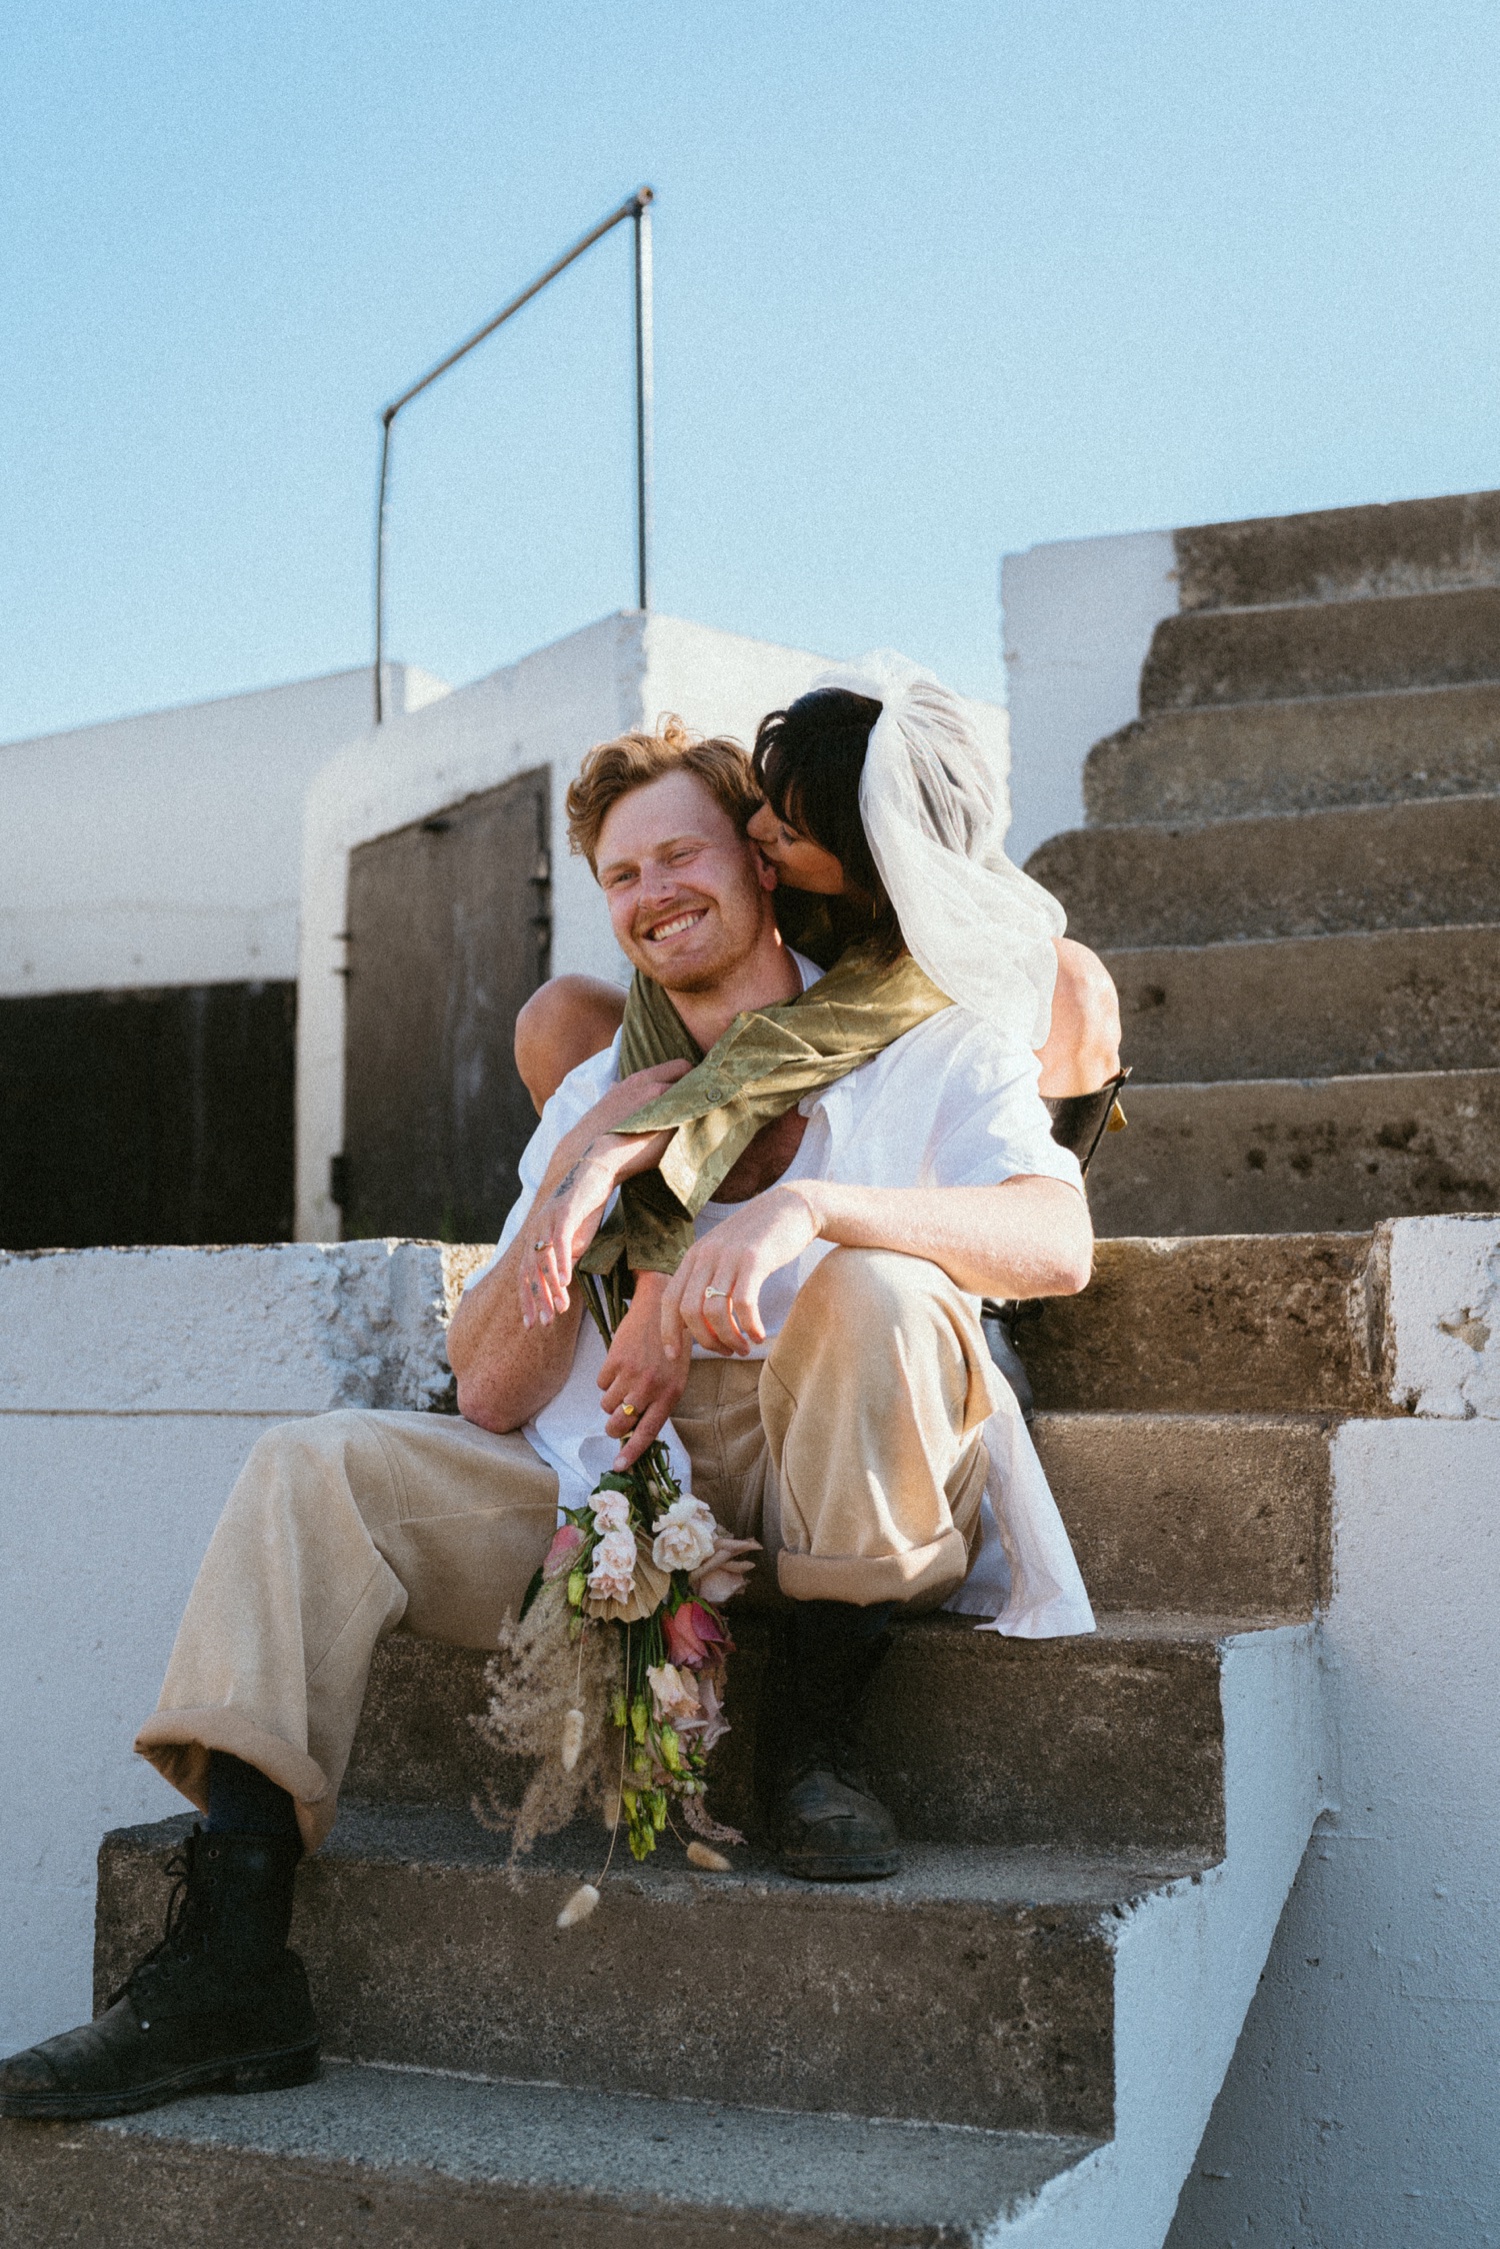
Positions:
(385, 458)
(635, 208)
(644, 400)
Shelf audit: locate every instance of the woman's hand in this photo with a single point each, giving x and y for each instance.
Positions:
(589, 1164)
(714, 1296)
(638, 1374)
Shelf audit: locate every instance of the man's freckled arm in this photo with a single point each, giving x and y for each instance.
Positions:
(1029, 1236)
(506, 1372)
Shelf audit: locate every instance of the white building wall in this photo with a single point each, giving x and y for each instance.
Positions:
(166, 849)
(623, 673)
(1076, 622)
(132, 1385)
(1363, 2103)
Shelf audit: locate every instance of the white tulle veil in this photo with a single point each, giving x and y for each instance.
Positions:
(930, 800)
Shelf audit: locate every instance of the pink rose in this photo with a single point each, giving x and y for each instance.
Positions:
(724, 1573)
(611, 1511)
(694, 1634)
(566, 1546)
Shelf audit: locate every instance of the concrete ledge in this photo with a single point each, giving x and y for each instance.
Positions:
(1291, 1155)
(1339, 554)
(1289, 874)
(1322, 648)
(411, 2160)
(290, 1329)
(1301, 1007)
(1297, 756)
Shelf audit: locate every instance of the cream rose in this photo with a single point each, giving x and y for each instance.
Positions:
(611, 1511)
(685, 1536)
(613, 1571)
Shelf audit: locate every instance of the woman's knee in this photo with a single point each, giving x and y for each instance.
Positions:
(565, 1021)
(1083, 1044)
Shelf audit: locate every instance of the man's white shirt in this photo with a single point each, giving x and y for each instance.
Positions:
(945, 1106)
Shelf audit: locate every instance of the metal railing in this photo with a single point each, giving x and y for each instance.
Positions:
(638, 208)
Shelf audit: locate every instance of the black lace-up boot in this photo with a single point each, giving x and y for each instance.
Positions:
(220, 2004)
(828, 1826)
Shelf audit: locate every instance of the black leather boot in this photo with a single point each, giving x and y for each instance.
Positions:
(220, 2004)
(828, 1827)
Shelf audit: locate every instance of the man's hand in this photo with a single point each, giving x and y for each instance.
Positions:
(637, 1373)
(587, 1166)
(714, 1295)
(1028, 1236)
(506, 1371)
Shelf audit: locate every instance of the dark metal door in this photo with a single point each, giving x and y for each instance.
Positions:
(449, 930)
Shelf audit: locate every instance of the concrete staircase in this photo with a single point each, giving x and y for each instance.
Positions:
(1023, 2032)
(1292, 867)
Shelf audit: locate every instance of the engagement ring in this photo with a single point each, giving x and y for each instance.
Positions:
(708, 1292)
(539, 1247)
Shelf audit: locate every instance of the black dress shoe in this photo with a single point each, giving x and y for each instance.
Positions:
(216, 2006)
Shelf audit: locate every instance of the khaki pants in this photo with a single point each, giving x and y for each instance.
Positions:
(854, 1451)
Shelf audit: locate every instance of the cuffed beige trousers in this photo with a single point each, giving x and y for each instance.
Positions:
(854, 1451)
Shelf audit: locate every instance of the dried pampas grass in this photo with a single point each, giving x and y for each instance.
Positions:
(549, 1700)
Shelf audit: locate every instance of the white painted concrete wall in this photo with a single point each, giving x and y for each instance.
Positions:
(166, 849)
(623, 673)
(1363, 2103)
(132, 1385)
(1076, 622)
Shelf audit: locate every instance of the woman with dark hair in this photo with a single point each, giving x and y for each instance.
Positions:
(810, 765)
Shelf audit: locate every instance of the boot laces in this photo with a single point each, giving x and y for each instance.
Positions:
(185, 1930)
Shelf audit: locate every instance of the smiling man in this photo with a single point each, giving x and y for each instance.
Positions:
(836, 1410)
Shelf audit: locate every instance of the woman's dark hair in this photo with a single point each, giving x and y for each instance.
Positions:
(808, 761)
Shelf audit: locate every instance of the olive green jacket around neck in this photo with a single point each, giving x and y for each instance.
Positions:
(767, 1061)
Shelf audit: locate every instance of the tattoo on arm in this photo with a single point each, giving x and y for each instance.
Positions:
(566, 1181)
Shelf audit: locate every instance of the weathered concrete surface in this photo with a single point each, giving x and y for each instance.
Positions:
(1213, 1324)
(973, 1988)
(1300, 756)
(1333, 648)
(292, 1328)
(378, 2159)
(1411, 546)
(1205, 1512)
(1300, 1007)
(1112, 1740)
(1297, 874)
(1362, 2104)
(1301, 1155)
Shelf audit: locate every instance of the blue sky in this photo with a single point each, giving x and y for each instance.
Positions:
(934, 282)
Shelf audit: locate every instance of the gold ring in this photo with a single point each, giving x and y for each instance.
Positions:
(627, 1408)
(539, 1247)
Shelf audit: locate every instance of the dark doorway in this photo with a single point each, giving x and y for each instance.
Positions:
(449, 932)
(147, 1116)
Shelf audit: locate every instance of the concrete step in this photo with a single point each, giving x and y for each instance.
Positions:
(1297, 756)
(1210, 1325)
(408, 2159)
(1415, 546)
(1296, 874)
(1104, 1741)
(975, 1987)
(1296, 1007)
(1322, 648)
(1286, 1155)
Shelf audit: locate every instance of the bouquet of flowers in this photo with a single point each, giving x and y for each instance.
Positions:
(614, 1673)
